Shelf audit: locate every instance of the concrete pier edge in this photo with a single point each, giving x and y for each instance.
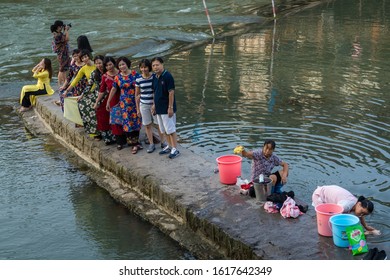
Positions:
(184, 198)
(136, 190)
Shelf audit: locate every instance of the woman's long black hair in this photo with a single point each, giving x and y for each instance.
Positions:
(366, 204)
(98, 74)
(48, 66)
(83, 43)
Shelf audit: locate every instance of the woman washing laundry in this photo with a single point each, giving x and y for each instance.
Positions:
(264, 160)
(337, 195)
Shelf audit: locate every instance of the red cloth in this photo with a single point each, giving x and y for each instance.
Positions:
(117, 129)
(103, 116)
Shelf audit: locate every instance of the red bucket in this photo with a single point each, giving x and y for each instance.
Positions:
(229, 168)
(324, 212)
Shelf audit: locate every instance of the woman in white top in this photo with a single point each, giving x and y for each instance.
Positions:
(338, 195)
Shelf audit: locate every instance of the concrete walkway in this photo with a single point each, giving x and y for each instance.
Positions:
(184, 198)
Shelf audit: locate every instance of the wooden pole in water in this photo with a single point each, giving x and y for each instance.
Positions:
(273, 8)
(208, 17)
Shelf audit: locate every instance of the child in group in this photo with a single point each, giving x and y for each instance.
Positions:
(338, 195)
(263, 162)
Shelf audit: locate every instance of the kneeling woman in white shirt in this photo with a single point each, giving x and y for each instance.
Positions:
(337, 195)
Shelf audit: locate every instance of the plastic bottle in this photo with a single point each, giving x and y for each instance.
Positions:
(239, 181)
(261, 178)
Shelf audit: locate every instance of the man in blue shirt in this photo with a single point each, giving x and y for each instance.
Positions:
(165, 106)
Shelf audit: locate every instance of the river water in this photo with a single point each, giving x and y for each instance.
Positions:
(316, 81)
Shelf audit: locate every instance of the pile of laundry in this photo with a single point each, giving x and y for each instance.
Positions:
(375, 254)
(284, 204)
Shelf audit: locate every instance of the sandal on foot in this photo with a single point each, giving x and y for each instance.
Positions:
(135, 149)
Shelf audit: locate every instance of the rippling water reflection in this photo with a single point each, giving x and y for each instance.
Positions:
(317, 82)
(302, 83)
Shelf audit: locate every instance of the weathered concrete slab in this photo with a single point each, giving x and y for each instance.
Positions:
(184, 198)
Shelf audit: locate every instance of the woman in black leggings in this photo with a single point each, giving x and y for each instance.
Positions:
(43, 72)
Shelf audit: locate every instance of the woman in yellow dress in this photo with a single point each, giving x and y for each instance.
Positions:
(71, 107)
(43, 72)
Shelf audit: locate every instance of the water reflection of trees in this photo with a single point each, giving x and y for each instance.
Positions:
(313, 66)
(300, 84)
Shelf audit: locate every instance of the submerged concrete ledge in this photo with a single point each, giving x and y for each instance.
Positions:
(185, 200)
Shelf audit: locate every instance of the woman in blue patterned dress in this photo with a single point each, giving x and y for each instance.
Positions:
(126, 111)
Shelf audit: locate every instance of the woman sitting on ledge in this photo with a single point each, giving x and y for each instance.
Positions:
(43, 72)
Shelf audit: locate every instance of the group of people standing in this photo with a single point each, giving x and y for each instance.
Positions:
(106, 97)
